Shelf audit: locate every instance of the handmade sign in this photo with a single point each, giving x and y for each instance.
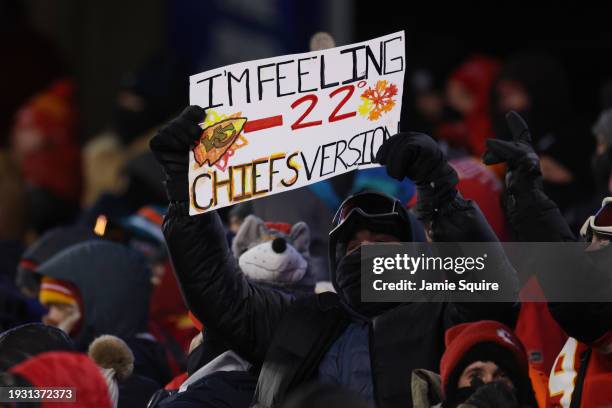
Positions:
(280, 123)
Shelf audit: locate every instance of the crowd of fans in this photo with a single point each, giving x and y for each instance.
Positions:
(106, 288)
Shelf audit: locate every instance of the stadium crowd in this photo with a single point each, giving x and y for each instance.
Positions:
(108, 285)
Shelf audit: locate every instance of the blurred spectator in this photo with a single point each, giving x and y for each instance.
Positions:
(45, 146)
(43, 249)
(270, 254)
(15, 309)
(33, 62)
(62, 369)
(468, 92)
(535, 86)
(479, 183)
(101, 287)
(116, 361)
(122, 173)
(429, 99)
(484, 365)
(169, 322)
(24, 342)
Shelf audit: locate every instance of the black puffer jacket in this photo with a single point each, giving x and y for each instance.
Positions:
(287, 338)
(537, 218)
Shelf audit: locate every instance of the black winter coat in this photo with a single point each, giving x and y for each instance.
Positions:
(287, 338)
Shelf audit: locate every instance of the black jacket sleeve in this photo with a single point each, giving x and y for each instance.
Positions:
(536, 218)
(215, 289)
(461, 221)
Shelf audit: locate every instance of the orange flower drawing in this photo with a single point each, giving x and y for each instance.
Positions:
(377, 100)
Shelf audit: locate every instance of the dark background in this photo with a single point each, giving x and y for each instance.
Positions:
(98, 42)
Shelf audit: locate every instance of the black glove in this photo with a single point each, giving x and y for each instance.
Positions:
(523, 176)
(495, 394)
(171, 146)
(418, 157)
(523, 163)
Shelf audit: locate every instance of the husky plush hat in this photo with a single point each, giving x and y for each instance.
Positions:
(276, 254)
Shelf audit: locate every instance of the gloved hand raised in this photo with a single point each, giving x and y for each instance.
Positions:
(171, 146)
(523, 163)
(418, 157)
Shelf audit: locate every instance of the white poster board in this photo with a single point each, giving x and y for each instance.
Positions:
(281, 123)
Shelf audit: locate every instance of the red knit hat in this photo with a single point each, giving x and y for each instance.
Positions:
(461, 338)
(66, 369)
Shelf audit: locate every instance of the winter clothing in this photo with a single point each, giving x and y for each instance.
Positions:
(347, 362)
(272, 254)
(51, 243)
(150, 96)
(585, 356)
(58, 291)
(15, 308)
(549, 115)
(66, 369)
(23, 342)
(462, 338)
(218, 389)
(45, 146)
(44, 140)
(114, 282)
(168, 146)
(115, 360)
(485, 341)
(224, 381)
(418, 157)
(314, 205)
(144, 186)
(267, 321)
(426, 389)
(266, 326)
(323, 396)
(268, 255)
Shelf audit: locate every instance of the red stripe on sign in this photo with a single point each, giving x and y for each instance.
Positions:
(264, 123)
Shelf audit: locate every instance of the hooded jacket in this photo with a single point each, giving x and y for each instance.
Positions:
(114, 282)
(288, 337)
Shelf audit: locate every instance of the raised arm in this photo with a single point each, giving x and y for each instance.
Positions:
(214, 288)
(448, 216)
(533, 216)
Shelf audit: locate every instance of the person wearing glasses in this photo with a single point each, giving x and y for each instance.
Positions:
(582, 373)
(369, 348)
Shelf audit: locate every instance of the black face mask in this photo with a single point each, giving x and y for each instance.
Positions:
(348, 281)
(601, 166)
(459, 397)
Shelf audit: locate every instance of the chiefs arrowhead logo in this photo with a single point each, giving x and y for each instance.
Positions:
(217, 139)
